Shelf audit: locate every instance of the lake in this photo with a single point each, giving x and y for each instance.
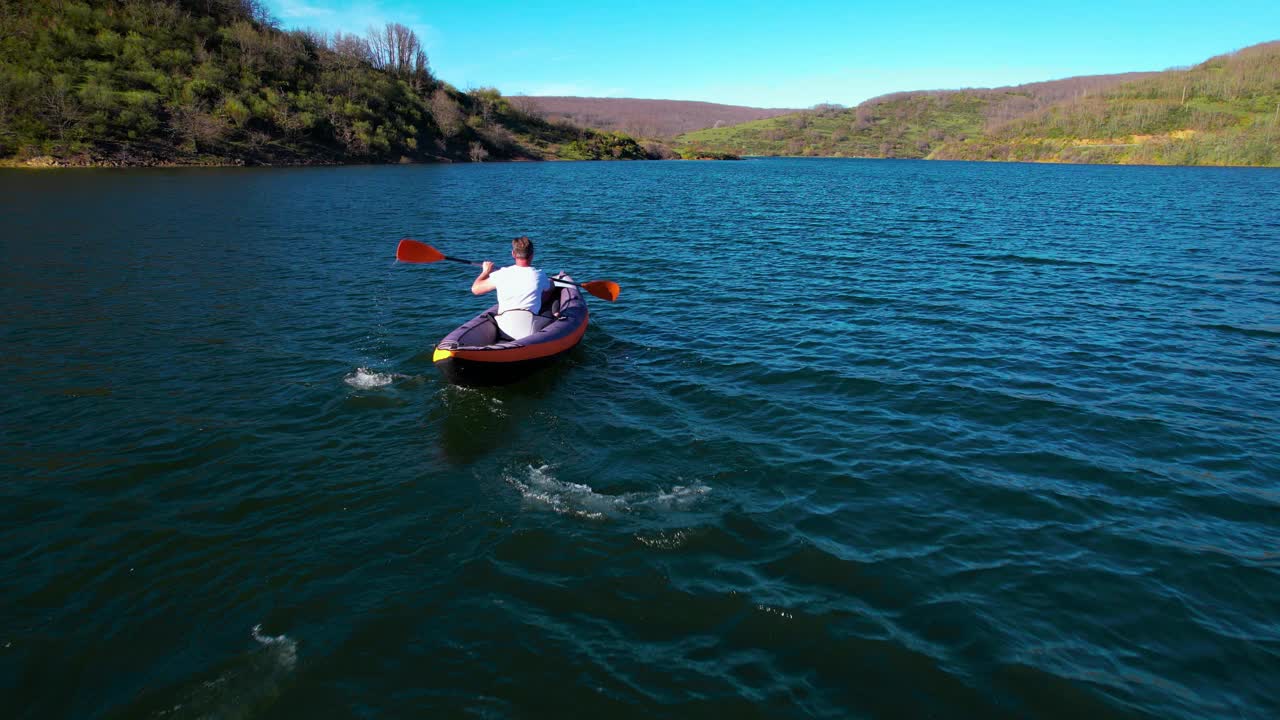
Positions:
(881, 439)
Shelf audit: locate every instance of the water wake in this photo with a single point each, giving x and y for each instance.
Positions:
(365, 379)
(242, 688)
(540, 487)
(282, 649)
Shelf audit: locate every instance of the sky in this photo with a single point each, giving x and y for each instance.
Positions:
(797, 53)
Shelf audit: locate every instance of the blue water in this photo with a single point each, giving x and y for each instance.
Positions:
(880, 439)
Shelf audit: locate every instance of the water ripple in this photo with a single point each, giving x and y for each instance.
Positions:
(860, 439)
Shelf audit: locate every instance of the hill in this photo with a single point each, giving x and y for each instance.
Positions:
(642, 118)
(904, 125)
(1225, 111)
(145, 82)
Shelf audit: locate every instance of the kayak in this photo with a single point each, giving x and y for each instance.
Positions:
(477, 353)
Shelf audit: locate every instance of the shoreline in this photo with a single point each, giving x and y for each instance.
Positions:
(46, 162)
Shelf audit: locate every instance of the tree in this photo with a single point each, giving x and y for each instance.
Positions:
(58, 101)
(351, 47)
(447, 115)
(255, 10)
(397, 50)
(526, 106)
(144, 81)
(488, 101)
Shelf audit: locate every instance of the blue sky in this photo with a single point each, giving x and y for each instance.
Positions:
(796, 53)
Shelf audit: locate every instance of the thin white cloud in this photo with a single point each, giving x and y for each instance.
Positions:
(290, 9)
(355, 18)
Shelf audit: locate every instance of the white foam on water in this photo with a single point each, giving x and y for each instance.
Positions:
(541, 487)
(452, 394)
(464, 391)
(364, 378)
(784, 614)
(673, 540)
(283, 648)
(240, 688)
(680, 498)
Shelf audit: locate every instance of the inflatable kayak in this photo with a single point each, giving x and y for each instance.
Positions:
(478, 353)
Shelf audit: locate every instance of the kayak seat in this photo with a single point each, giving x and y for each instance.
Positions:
(554, 308)
(481, 334)
(515, 324)
(549, 313)
(511, 325)
(542, 321)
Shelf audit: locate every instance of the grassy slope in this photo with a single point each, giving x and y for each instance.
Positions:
(1230, 115)
(1225, 111)
(907, 126)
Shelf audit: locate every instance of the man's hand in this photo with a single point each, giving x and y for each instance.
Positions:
(482, 283)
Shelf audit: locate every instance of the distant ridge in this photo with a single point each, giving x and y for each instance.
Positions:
(642, 117)
(903, 124)
(1048, 91)
(1224, 111)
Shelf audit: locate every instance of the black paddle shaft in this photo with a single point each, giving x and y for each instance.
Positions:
(552, 279)
(464, 262)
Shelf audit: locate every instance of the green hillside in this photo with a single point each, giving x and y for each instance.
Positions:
(906, 126)
(142, 82)
(1225, 111)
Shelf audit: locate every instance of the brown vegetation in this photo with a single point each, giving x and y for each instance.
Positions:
(640, 117)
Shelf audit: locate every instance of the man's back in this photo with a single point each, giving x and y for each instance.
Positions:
(520, 291)
(520, 288)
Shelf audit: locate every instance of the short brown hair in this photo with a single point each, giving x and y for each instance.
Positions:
(522, 247)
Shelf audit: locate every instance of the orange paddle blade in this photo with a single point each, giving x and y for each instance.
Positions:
(417, 252)
(605, 289)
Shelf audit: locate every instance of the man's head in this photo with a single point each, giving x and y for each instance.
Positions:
(522, 248)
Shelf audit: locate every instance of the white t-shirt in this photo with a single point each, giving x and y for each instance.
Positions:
(520, 288)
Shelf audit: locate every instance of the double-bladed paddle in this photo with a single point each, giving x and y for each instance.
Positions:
(413, 251)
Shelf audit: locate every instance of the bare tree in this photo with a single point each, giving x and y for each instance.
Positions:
(500, 139)
(526, 105)
(8, 96)
(352, 47)
(195, 126)
(258, 11)
(350, 53)
(59, 106)
(477, 152)
(397, 50)
(315, 38)
(447, 115)
(255, 10)
(249, 43)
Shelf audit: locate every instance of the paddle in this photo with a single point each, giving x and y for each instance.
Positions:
(410, 250)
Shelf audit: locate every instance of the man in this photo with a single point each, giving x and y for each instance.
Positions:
(522, 289)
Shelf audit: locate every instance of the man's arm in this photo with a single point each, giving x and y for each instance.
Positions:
(482, 283)
(549, 297)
